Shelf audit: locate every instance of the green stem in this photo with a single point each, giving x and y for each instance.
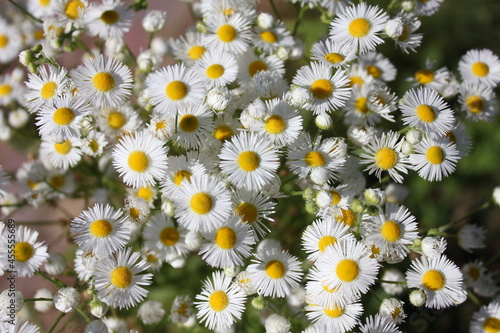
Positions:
(478, 209)
(474, 298)
(38, 223)
(403, 283)
(299, 20)
(38, 299)
(492, 259)
(289, 179)
(57, 322)
(392, 4)
(296, 192)
(275, 9)
(80, 311)
(56, 282)
(129, 51)
(151, 35)
(21, 8)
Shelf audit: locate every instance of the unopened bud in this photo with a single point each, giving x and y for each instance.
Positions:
(417, 297)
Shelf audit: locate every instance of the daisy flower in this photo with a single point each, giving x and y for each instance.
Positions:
(439, 278)
(378, 66)
(140, 158)
(268, 85)
(269, 40)
(104, 81)
(250, 64)
(336, 318)
(228, 33)
(11, 42)
(329, 88)
(189, 48)
(318, 293)
(94, 143)
(487, 319)
(161, 126)
(408, 40)
(430, 77)
(136, 209)
(180, 168)
(359, 27)
(378, 324)
(274, 273)
(71, 11)
(335, 7)
(43, 87)
(29, 254)
(174, 87)
(480, 66)
(228, 245)
(384, 154)
(41, 9)
(10, 89)
(220, 303)
(434, 158)
(253, 207)
(110, 19)
(478, 101)
(101, 230)
(424, 109)
(62, 155)
(118, 279)
(182, 309)
(15, 325)
(202, 203)
(217, 68)
(194, 125)
(426, 8)
(116, 122)
(332, 54)
(225, 126)
(358, 76)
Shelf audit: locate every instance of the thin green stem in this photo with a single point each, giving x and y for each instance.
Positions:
(38, 223)
(80, 311)
(392, 4)
(403, 283)
(474, 298)
(492, 259)
(56, 322)
(452, 223)
(56, 282)
(299, 20)
(151, 35)
(21, 8)
(275, 9)
(38, 299)
(129, 51)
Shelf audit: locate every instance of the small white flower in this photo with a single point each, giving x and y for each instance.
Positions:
(417, 298)
(11, 301)
(496, 195)
(66, 299)
(56, 264)
(472, 237)
(151, 312)
(154, 21)
(277, 324)
(433, 247)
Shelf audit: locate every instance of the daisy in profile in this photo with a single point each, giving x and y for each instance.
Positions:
(431, 77)
(118, 279)
(250, 64)
(337, 318)
(61, 155)
(426, 8)
(269, 40)
(225, 126)
(94, 143)
(407, 40)
(110, 19)
(321, 234)
(180, 169)
(220, 303)
(140, 159)
(384, 154)
(480, 66)
(359, 27)
(332, 54)
(478, 101)
(174, 87)
(105, 82)
(202, 203)
(424, 109)
(194, 125)
(11, 42)
(229, 244)
(29, 254)
(228, 33)
(71, 11)
(486, 319)
(439, 278)
(217, 68)
(274, 273)
(252, 208)
(10, 89)
(328, 87)
(378, 66)
(188, 48)
(101, 230)
(434, 158)
(378, 324)
(43, 87)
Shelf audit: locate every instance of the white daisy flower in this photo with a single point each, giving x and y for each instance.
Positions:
(217, 68)
(220, 303)
(109, 19)
(105, 82)
(250, 64)
(480, 66)
(179, 168)
(94, 143)
(318, 293)
(62, 155)
(118, 279)
(194, 126)
(358, 76)
(486, 319)
(101, 230)
(408, 40)
(11, 42)
(253, 207)
(228, 33)
(332, 54)
(181, 310)
(140, 159)
(71, 11)
(188, 48)
(392, 309)
(378, 324)
(335, 7)
(336, 318)
(116, 122)
(136, 209)
(225, 126)
(426, 8)
(161, 126)
(42, 9)
(478, 101)
(43, 87)
(10, 89)
(439, 278)
(378, 66)
(15, 325)
(270, 39)
(430, 77)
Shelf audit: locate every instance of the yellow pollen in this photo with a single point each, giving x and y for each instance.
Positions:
(121, 277)
(72, 7)
(4, 40)
(268, 37)
(176, 90)
(146, 193)
(116, 120)
(63, 148)
(361, 105)
(328, 290)
(23, 251)
(391, 231)
(103, 81)
(32, 185)
(5, 89)
(359, 27)
(424, 76)
(435, 155)
(196, 52)
(160, 125)
(180, 176)
(474, 273)
(374, 71)
(386, 158)
(223, 132)
(188, 123)
(215, 71)
(218, 301)
(247, 212)
(375, 251)
(151, 258)
(138, 161)
(228, 11)
(433, 280)
(226, 33)
(347, 270)
(451, 136)
(63, 116)
(395, 313)
(326, 241)
(492, 325)
(475, 104)
(169, 236)
(275, 269)
(334, 313)
(38, 34)
(256, 66)
(134, 212)
(480, 69)
(321, 88)
(201, 203)
(315, 159)
(334, 58)
(404, 34)
(48, 90)
(248, 160)
(275, 124)
(348, 217)
(356, 80)
(44, 3)
(57, 181)
(426, 113)
(100, 228)
(335, 197)
(110, 17)
(225, 238)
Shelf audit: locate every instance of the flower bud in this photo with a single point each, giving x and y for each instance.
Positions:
(418, 298)
(358, 206)
(413, 136)
(154, 21)
(66, 299)
(309, 193)
(374, 196)
(259, 302)
(394, 28)
(265, 21)
(98, 308)
(323, 121)
(407, 148)
(311, 207)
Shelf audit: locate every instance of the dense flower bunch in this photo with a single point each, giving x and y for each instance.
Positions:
(199, 152)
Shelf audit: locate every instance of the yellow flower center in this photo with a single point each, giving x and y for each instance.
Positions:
(146, 193)
(57, 181)
(335, 197)
(426, 113)
(138, 161)
(475, 104)
(256, 66)
(180, 176)
(48, 90)
(38, 34)
(433, 280)
(248, 160)
(275, 269)
(347, 270)
(4, 40)
(23, 251)
(395, 313)
(196, 52)
(480, 69)
(188, 123)
(201, 203)
(103, 81)
(492, 325)
(348, 217)
(361, 105)
(391, 231)
(121, 277)
(334, 313)
(326, 241)
(424, 76)
(169, 236)
(334, 58)
(225, 238)
(72, 7)
(247, 212)
(359, 27)
(386, 158)
(134, 213)
(321, 88)
(116, 120)
(5, 89)
(218, 301)
(44, 3)
(268, 37)
(63, 148)
(100, 228)
(110, 17)
(176, 90)
(223, 132)
(435, 155)
(215, 71)
(226, 33)
(356, 80)
(63, 116)
(275, 124)
(374, 71)
(474, 273)
(315, 159)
